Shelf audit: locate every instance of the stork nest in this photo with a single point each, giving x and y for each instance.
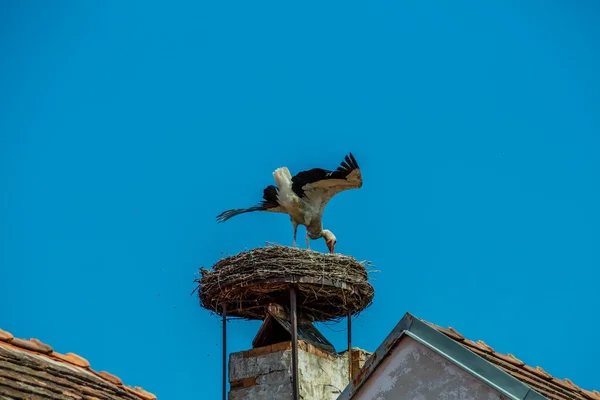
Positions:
(328, 286)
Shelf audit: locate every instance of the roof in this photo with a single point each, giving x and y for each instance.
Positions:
(535, 377)
(277, 328)
(505, 373)
(34, 369)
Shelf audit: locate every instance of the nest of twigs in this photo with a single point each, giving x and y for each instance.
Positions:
(328, 286)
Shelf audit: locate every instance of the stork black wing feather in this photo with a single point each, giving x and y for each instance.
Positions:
(270, 197)
(317, 174)
(269, 201)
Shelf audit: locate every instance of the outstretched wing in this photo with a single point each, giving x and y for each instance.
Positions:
(317, 186)
(269, 203)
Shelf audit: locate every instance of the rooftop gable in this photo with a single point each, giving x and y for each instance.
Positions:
(505, 373)
(535, 377)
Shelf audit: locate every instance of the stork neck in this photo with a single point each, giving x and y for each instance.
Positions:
(315, 229)
(314, 232)
(314, 236)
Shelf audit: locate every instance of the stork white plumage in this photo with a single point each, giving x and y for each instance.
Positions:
(304, 197)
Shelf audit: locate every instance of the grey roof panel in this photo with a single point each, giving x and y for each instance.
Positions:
(448, 348)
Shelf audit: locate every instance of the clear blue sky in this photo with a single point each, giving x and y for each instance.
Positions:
(126, 127)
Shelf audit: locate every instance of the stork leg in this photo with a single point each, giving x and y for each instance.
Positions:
(295, 231)
(306, 239)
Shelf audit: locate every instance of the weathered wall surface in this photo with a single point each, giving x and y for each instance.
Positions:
(260, 374)
(265, 373)
(322, 377)
(412, 371)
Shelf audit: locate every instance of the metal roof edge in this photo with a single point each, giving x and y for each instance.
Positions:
(447, 348)
(382, 351)
(470, 362)
(533, 395)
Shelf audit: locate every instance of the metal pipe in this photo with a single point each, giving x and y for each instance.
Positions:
(294, 323)
(349, 346)
(224, 307)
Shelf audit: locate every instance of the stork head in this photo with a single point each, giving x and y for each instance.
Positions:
(330, 239)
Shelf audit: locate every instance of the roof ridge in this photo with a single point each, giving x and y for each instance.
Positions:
(539, 372)
(38, 347)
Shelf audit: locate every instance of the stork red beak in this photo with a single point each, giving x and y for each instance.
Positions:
(329, 244)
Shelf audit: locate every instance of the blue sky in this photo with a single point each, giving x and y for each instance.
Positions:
(126, 127)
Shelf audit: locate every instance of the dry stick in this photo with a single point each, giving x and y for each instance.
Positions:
(230, 276)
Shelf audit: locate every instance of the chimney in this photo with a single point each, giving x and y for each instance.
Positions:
(265, 371)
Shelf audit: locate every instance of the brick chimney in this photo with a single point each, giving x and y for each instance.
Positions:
(264, 372)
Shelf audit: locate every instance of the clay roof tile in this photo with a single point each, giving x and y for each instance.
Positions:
(509, 358)
(42, 351)
(538, 371)
(567, 384)
(140, 392)
(479, 346)
(537, 378)
(450, 331)
(110, 377)
(5, 336)
(594, 394)
(72, 358)
(33, 345)
(515, 360)
(487, 348)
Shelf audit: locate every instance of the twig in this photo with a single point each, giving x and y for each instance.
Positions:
(247, 280)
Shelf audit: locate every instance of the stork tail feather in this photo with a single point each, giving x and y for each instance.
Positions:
(269, 202)
(225, 215)
(282, 177)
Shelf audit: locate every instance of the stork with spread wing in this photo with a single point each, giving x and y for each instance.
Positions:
(304, 197)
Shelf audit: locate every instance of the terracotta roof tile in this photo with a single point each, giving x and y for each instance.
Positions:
(538, 371)
(510, 359)
(450, 331)
(567, 384)
(140, 392)
(111, 378)
(476, 345)
(538, 379)
(534, 381)
(487, 348)
(5, 336)
(43, 346)
(32, 368)
(33, 345)
(72, 359)
(594, 395)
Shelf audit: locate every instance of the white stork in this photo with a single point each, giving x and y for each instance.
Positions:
(304, 197)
